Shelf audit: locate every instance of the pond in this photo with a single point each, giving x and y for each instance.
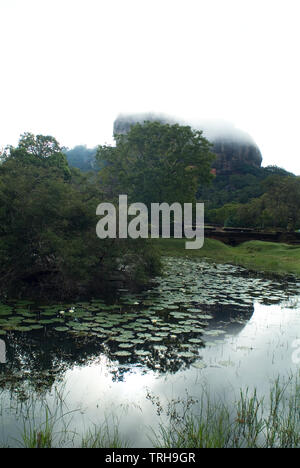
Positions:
(201, 325)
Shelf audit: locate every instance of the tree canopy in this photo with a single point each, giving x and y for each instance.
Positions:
(83, 158)
(40, 151)
(278, 207)
(156, 162)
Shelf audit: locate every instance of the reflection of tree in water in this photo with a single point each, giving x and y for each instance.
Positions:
(230, 318)
(167, 361)
(37, 360)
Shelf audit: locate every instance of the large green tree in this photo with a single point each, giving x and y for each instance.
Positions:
(156, 162)
(38, 150)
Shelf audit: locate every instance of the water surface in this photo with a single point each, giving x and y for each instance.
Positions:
(201, 325)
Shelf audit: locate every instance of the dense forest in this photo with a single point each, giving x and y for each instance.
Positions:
(258, 198)
(48, 241)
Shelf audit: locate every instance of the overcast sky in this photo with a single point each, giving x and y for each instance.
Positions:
(69, 67)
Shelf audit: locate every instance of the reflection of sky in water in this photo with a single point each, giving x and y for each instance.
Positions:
(257, 354)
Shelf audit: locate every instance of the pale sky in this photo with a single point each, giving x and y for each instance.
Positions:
(69, 67)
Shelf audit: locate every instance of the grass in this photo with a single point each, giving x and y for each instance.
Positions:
(47, 423)
(269, 257)
(250, 423)
(104, 437)
(204, 422)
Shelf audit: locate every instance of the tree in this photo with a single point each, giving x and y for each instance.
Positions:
(83, 158)
(282, 200)
(39, 150)
(41, 146)
(278, 207)
(156, 162)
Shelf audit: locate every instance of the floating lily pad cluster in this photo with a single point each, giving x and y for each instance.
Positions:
(210, 284)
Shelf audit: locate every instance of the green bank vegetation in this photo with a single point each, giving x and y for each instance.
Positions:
(269, 257)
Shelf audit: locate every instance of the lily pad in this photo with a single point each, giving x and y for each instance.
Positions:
(122, 353)
(199, 365)
(186, 354)
(142, 353)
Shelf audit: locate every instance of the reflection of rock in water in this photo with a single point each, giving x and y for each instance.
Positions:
(232, 319)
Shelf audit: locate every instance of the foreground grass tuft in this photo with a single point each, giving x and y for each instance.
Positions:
(251, 423)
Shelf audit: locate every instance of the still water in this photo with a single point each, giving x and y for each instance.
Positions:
(201, 326)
